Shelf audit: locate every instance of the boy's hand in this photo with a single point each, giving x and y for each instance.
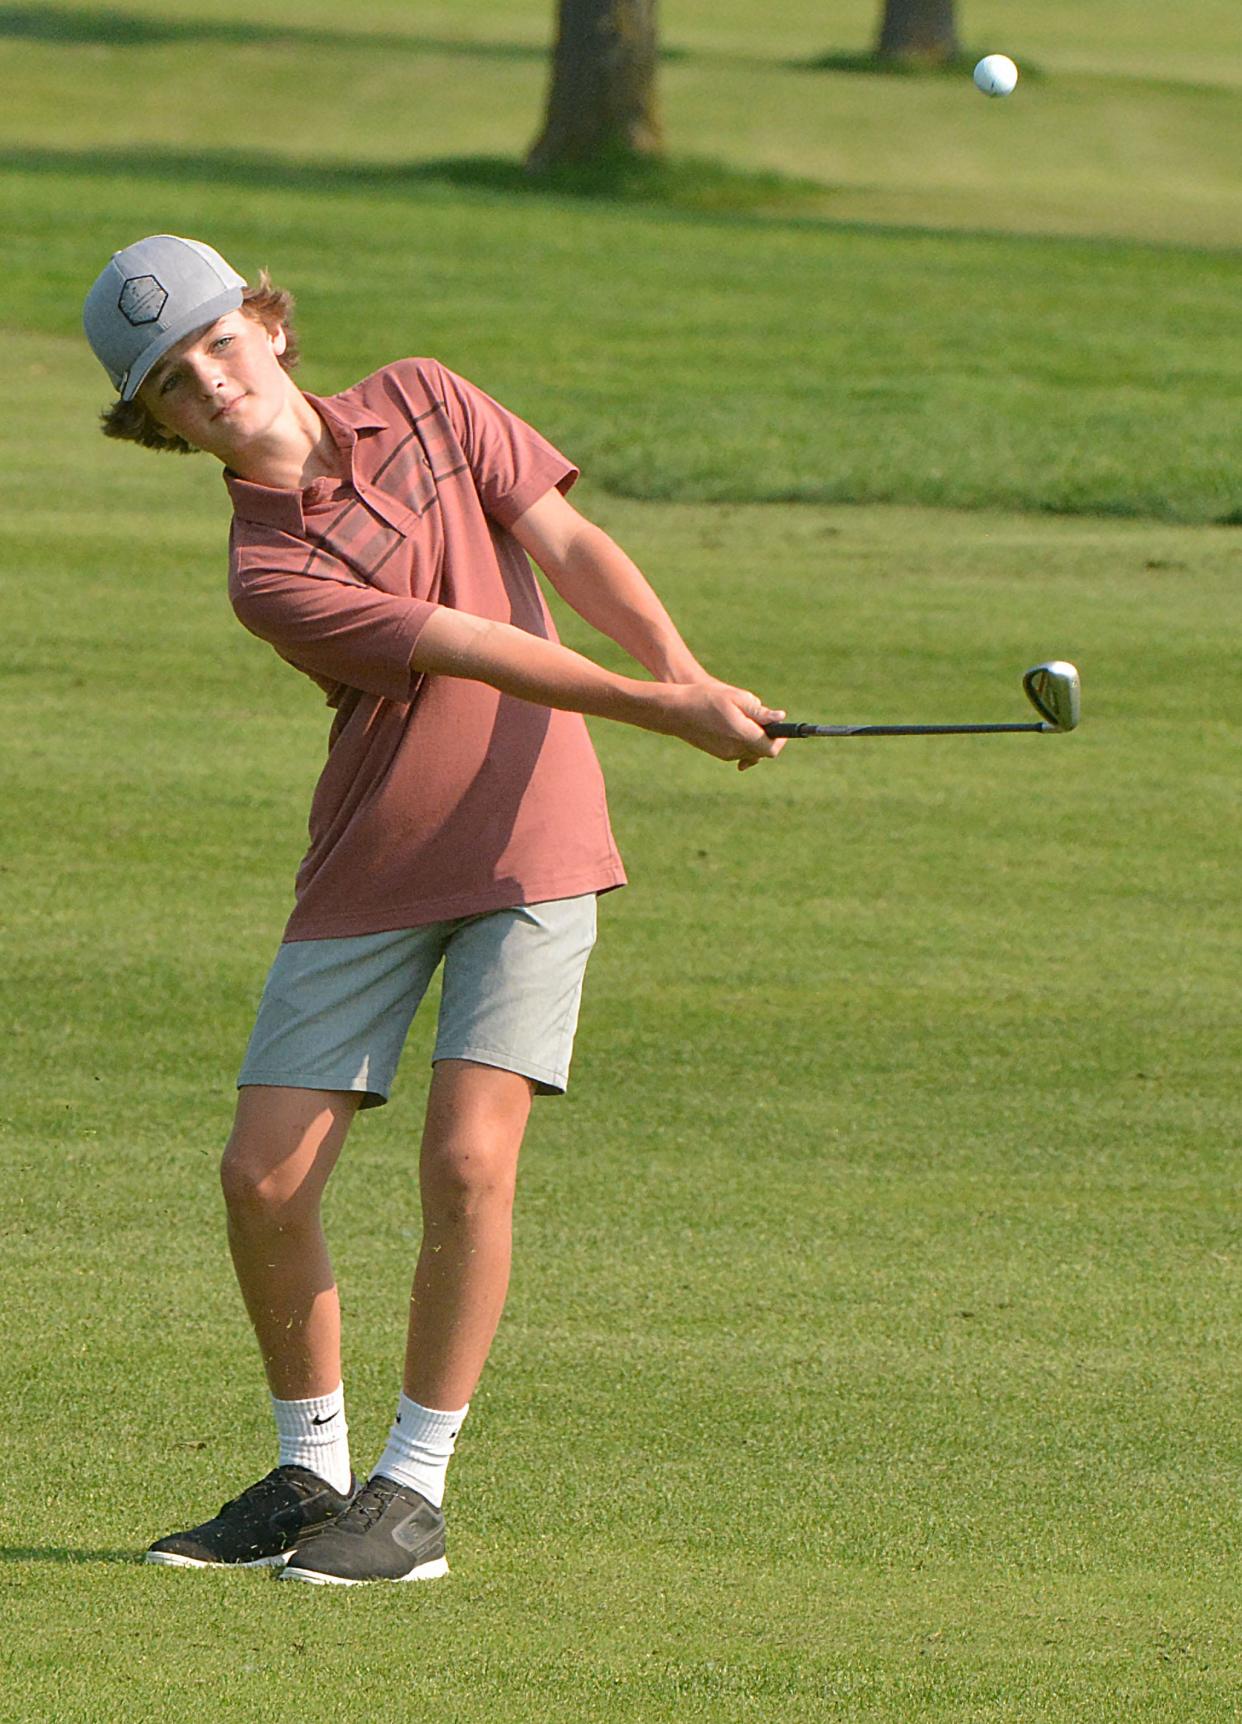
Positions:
(723, 721)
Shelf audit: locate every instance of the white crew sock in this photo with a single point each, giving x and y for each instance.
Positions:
(313, 1434)
(420, 1446)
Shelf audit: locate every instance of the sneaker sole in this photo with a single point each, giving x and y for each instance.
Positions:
(171, 1559)
(426, 1571)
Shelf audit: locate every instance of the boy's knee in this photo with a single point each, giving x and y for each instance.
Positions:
(240, 1181)
(476, 1118)
(281, 1152)
(465, 1174)
(254, 1190)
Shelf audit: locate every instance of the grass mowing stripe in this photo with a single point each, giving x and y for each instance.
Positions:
(1044, 376)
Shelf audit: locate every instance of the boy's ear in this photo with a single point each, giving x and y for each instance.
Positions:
(279, 341)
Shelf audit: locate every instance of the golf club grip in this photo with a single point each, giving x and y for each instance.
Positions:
(786, 729)
(795, 730)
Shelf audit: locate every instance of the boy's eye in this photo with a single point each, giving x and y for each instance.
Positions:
(169, 383)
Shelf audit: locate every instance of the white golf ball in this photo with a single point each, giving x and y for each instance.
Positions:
(996, 75)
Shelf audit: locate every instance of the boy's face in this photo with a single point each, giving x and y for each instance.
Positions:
(221, 387)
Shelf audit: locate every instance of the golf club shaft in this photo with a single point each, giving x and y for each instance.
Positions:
(787, 729)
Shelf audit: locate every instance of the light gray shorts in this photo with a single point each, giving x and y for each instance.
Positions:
(335, 1013)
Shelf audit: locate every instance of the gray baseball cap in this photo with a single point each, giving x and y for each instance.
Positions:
(151, 296)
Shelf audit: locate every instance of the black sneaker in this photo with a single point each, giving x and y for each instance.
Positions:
(388, 1532)
(259, 1527)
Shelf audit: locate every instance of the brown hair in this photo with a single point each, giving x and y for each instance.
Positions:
(131, 422)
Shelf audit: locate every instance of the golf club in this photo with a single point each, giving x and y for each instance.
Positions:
(1052, 689)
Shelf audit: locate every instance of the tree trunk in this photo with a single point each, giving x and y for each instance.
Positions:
(602, 98)
(918, 30)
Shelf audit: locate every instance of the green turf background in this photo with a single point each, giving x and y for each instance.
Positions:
(872, 1346)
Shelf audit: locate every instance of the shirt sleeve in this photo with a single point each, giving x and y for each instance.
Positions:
(337, 630)
(512, 464)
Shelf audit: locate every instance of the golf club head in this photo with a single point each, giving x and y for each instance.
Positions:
(1053, 690)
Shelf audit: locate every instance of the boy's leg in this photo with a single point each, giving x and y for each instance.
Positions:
(335, 1009)
(512, 986)
(476, 1117)
(283, 1147)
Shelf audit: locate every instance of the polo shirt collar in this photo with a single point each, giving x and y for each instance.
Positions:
(269, 507)
(351, 414)
(264, 505)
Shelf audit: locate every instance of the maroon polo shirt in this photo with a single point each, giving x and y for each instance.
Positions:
(440, 797)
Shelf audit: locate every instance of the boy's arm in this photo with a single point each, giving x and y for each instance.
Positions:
(353, 634)
(723, 721)
(593, 575)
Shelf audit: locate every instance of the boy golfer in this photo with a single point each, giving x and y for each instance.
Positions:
(379, 543)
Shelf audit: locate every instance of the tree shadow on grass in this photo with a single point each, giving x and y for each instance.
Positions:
(684, 190)
(871, 65)
(101, 28)
(680, 184)
(874, 66)
(94, 27)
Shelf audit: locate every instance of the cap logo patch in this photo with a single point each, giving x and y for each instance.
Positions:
(143, 299)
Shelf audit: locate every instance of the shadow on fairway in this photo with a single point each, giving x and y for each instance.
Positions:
(870, 65)
(685, 186)
(687, 189)
(120, 30)
(101, 28)
(55, 1553)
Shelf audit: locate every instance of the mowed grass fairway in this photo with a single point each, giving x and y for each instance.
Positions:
(871, 1353)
